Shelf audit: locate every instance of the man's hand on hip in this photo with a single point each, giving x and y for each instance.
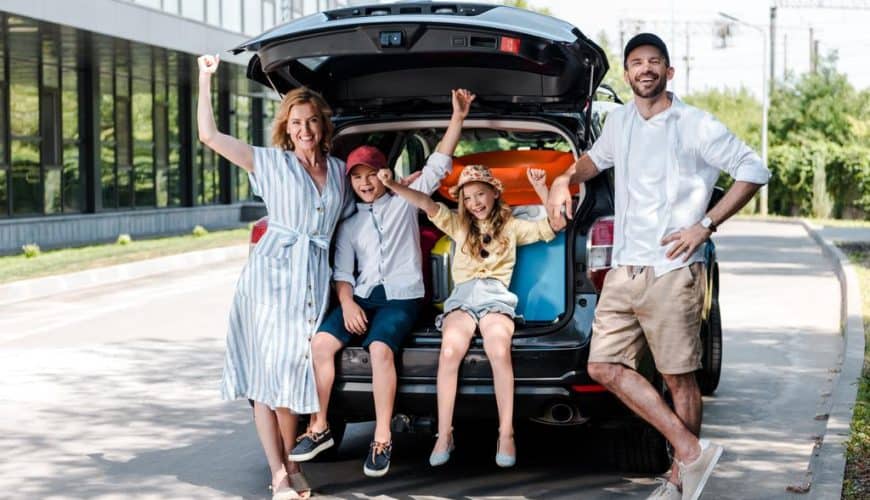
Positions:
(686, 241)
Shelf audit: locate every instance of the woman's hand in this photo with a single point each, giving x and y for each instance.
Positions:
(462, 100)
(208, 63)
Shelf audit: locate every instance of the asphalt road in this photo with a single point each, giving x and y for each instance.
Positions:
(113, 392)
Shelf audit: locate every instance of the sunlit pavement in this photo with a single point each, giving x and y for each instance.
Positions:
(113, 392)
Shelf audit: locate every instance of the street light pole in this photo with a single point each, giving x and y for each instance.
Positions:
(765, 101)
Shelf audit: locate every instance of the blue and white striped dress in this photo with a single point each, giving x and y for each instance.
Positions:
(283, 291)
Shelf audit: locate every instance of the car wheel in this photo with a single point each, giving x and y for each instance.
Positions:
(711, 362)
(638, 448)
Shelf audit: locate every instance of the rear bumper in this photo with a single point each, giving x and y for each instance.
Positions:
(544, 377)
(352, 401)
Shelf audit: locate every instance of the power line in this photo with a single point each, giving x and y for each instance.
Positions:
(824, 4)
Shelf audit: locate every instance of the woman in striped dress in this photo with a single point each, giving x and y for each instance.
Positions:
(284, 288)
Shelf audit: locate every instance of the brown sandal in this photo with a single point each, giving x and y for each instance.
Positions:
(300, 485)
(283, 492)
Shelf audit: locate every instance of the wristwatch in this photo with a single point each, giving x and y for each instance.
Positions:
(707, 223)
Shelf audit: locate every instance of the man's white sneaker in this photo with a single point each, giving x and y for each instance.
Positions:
(694, 476)
(666, 491)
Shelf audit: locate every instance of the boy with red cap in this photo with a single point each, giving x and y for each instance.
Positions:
(382, 242)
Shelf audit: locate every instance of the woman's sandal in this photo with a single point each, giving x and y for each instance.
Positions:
(283, 492)
(300, 485)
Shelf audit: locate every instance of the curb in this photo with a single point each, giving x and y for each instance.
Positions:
(18, 291)
(828, 463)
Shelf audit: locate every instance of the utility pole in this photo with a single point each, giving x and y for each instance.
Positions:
(687, 58)
(813, 46)
(772, 38)
(784, 56)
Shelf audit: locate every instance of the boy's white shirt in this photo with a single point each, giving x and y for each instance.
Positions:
(698, 148)
(383, 237)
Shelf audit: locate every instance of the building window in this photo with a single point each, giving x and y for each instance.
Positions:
(206, 180)
(4, 161)
(143, 127)
(154, 4)
(24, 78)
(108, 144)
(72, 190)
(213, 12)
(253, 16)
(171, 6)
(244, 95)
(173, 174)
(193, 9)
(161, 129)
(231, 15)
(123, 134)
(269, 14)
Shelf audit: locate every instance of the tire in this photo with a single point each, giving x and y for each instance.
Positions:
(711, 361)
(639, 448)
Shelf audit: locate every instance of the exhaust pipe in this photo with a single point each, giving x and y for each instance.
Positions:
(561, 413)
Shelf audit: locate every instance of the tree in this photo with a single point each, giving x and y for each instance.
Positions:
(819, 153)
(613, 78)
(737, 109)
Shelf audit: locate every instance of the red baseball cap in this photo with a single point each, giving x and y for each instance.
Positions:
(366, 155)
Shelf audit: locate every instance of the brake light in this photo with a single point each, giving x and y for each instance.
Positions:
(599, 251)
(587, 388)
(509, 44)
(258, 231)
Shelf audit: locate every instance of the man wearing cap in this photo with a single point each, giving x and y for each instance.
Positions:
(380, 301)
(666, 157)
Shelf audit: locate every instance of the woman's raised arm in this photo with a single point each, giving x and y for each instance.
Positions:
(234, 150)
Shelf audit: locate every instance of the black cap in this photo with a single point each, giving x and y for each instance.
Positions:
(645, 39)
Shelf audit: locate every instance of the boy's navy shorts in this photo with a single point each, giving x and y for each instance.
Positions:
(389, 321)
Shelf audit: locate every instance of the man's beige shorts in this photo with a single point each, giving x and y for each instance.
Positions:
(637, 310)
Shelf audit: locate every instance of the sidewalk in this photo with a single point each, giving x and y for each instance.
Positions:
(17, 291)
(828, 463)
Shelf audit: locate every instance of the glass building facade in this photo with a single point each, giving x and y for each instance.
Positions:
(95, 124)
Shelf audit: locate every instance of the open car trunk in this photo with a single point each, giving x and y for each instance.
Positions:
(540, 278)
(409, 55)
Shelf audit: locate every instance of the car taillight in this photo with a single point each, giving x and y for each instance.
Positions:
(599, 250)
(509, 44)
(258, 231)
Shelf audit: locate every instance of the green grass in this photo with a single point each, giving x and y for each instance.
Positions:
(18, 267)
(856, 484)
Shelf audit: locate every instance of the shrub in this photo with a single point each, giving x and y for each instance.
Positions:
(31, 250)
(124, 239)
(199, 231)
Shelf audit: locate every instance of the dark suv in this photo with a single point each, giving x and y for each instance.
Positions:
(387, 71)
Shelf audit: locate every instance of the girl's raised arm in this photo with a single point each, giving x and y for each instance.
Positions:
(234, 150)
(420, 200)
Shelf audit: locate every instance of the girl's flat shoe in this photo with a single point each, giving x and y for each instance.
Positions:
(503, 459)
(441, 457)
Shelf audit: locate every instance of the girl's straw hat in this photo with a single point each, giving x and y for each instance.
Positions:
(475, 173)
